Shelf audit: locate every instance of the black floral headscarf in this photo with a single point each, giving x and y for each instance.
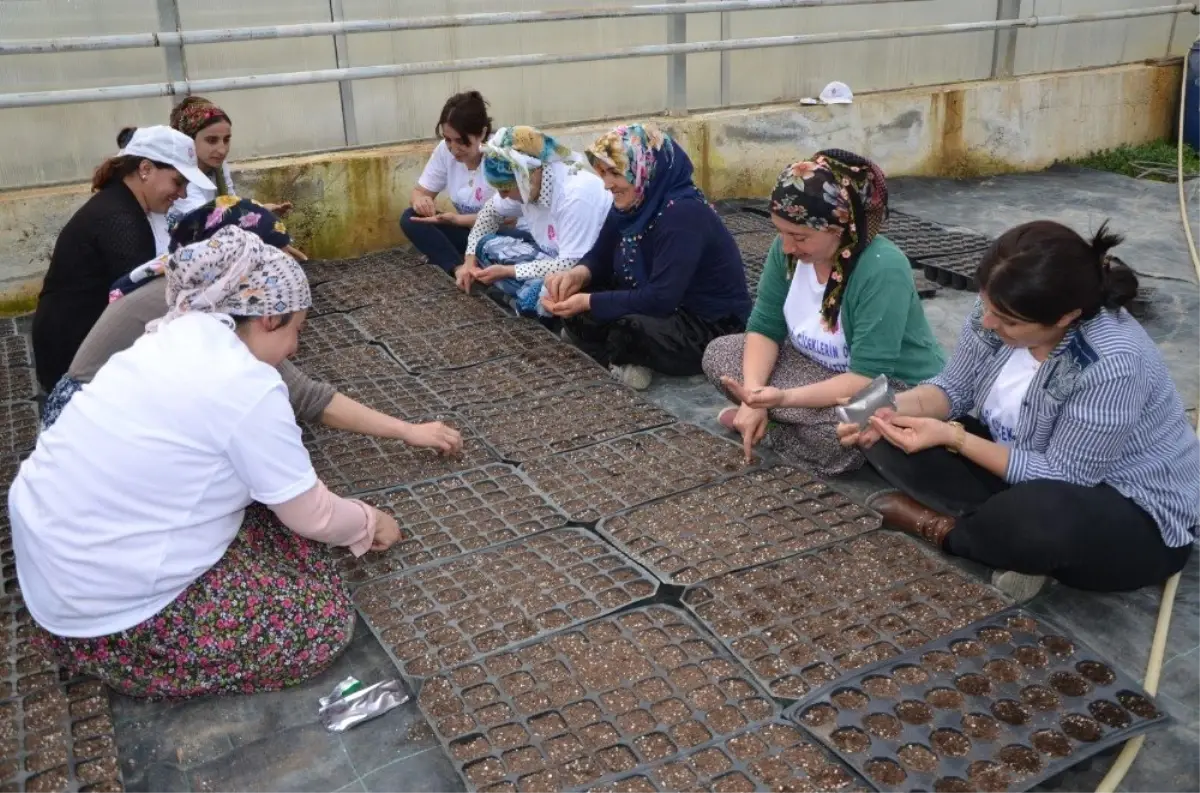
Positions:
(836, 190)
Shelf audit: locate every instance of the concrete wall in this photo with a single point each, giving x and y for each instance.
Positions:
(347, 202)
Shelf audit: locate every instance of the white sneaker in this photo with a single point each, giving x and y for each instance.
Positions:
(636, 377)
(1019, 586)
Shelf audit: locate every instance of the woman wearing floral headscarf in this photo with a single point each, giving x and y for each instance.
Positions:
(563, 205)
(664, 277)
(841, 297)
(140, 549)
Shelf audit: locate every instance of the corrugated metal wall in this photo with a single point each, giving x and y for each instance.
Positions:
(53, 144)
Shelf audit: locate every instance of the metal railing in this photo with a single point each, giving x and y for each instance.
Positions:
(1005, 26)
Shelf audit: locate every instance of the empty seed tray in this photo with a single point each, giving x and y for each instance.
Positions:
(365, 362)
(920, 239)
(453, 516)
(1002, 705)
(435, 618)
(599, 481)
(536, 372)
(438, 313)
(17, 384)
(24, 669)
(359, 463)
(806, 621)
(383, 284)
(777, 756)
(749, 519)
(401, 396)
(18, 427)
(956, 271)
(328, 333)
(59, 738)
(535, 427)
(432, 352)
(587, 706)
(14, 350)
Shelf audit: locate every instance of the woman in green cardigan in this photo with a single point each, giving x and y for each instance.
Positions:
(841, 297)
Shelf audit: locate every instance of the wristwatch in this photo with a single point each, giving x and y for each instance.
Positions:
(960, 437)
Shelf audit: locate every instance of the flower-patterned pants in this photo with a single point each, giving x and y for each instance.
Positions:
(271, 613)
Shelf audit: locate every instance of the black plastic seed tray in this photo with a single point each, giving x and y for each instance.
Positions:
(9, 465)
(328, 333)
(920, 239)
(444, 350)
(435, 618)
(59, 738)
(542, 370)
(439, 314)
(806, 621)
(1002, 705)
(383, 284)
(15, 350)
(748, 519)
(365, 362)
(360, 463)
(9, 327)
(24, 669)
(319, 272)
(18, 427)
(534, 427)
(587, 706)
(776, 756)
(956, 271)
(599, 481)
(925, 288)
(452, 516)
(17, 384)
(742, 222)
(401, 396)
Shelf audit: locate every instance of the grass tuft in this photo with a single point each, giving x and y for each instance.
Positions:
(1156, 161)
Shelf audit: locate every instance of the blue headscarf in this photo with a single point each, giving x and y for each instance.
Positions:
(512, 155)
(661, 174)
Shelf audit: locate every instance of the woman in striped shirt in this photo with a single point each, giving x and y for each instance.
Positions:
(1071, 456)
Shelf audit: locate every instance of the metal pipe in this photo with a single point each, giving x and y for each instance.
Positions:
(220, 36)
(43, 98)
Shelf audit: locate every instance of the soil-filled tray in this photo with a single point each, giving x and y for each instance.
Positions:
(925, 288)
(319, 272)
(443, 350)
(365, 362)
(360, 464)
(17, 384)
(14, 350)
(325, 334)
(543, 370)
(383, 284)
(527, 429)
(742, 222)
(24, 669)
(1002, 705)
(956, 271)
(435, 618)
(9, 465)
(453, 516)
(18, 427)
(806, 621)
(587, 706)
(443, 313)
(9, 327)
(920, 239)
(777, 756)
(59, 738)
(602, 480)
(748, 519)
(401, 396)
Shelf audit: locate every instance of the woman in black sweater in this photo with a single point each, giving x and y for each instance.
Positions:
(106, 238)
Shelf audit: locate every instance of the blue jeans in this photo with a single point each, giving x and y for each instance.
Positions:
(443, 244)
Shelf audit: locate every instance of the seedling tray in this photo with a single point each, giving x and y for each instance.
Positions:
(536, 427)
(742, 222)
(748, 519)
(443, 350)
(435, 618)
(776, 756)
(17, 384)
(543, 370)
(584, 707)
(59, 738)
(25, 670)
(920, 239)
(809, 620)
(438, 313)
(599, 481)
(1002, 705)
(956, 271)
(18, 427)
(452, 516)
(363, 363)
(401, 396)
(14, 348)
(328, 333)
(383, 284)
(354, 464)
(925, 288)
(9, 327)
(9, 465)
(319, 272)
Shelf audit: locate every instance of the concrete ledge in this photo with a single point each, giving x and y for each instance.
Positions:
(348, 203)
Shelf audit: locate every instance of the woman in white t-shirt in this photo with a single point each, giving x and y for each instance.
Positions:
(453, 169)
(562, 205)
(140, 548)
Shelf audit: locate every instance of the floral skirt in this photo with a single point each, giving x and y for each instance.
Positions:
(64, 389)
(271, 613)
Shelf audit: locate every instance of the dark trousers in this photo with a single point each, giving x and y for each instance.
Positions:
(443, 244)
(671, 345)
(1086, 537)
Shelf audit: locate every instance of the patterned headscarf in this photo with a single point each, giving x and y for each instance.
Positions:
(512, 155)
(201, 224)
(190, 117)
(660, 173)
(834, 191)
(236, 274)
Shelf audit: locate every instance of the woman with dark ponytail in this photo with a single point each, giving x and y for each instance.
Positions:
(1070, 456)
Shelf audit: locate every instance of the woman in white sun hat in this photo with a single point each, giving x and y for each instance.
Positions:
(106, 238)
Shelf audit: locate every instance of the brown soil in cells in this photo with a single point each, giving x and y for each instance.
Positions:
(819, 715)
(967, 648)
(910, 675)
(1069, 684)
(1040, 698)
(981, 727)
(1011, 712)
(1058, 646)
(939, 661)
(1109, 714)
(886, 772)
(1031, 657)
(974, 685)
(883, 725)
(1024, 624)
(945, 699)
(1022, 760)
(1002, 670)
(850, 699)
(985, 775)
(952, 784)
(950, 743)
(1137, 705)
(912, 711)
(918, 758)
(851, 740)
(1098, 673)
(1052, 743)
(1081, 728)
(881, 687)
(995, 636)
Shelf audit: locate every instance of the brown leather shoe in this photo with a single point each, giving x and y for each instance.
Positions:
(902, 512)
